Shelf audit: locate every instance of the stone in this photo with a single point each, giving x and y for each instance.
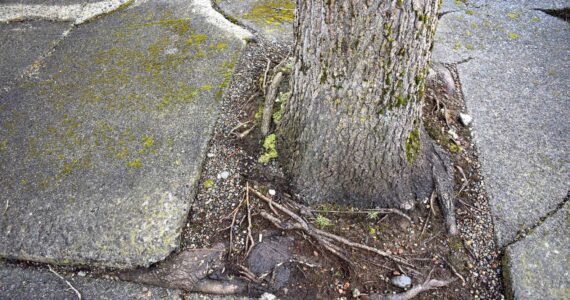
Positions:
(35, 283)
(101, 151)
(538, 266)
(465, 119)
(401, 281)
(273, 19)
(513, 63)
(224, 175)
(22, 44)
(271, 256)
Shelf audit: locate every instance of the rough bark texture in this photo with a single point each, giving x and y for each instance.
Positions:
(352, 131)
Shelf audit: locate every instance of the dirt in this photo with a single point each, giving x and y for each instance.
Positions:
(314, 273)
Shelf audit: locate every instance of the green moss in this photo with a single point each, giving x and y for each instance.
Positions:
(259, 113)
(135, 164)
(272, 12)
(514, 15)
(322, 221)
(278, 114)
(469, 46)
(457, 46)
(148, 141)
(270, 146)
(123, 153)
(535, 19)
(221, 46)
(179, 26)
(413, 146)
(513, 35)
(206, 87)
(453, 148)
(455, 243)
(3, 145)
(208, 183)
(196, 39)
(470, 12)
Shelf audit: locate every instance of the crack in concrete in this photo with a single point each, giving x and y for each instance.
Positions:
(523, 233)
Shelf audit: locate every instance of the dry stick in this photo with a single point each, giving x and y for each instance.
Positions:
(251, 242)
(289, 226)
(429, 284)
(248, 274)
(302, 225)
(465, 181)
(234, 215)
(454, 271)
(379, 210)
(425, 224)
(69, 284)
(431, 201)
(265, 76)
(269, 101)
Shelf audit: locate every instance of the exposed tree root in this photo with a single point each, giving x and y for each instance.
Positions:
(429, 284)
(325, 239)
(188, 271)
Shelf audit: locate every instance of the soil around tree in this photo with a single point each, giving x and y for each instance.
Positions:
(311, 271)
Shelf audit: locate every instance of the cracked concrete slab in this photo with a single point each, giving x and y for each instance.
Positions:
(516, 89)
(273, 19)
(34, 283)
(22, 44)
(100, 152)
(538, 267)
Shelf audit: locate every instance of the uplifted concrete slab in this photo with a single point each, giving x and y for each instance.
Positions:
(273, 19)
(32, 283)
(22, 44)
(538, 267)
(100, 153)
(515, 73)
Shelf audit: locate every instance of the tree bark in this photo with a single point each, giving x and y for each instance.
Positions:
(352, 130)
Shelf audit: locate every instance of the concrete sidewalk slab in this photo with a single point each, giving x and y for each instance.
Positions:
(538, 267)
(22, 44)
(515, 73)
(100, 153)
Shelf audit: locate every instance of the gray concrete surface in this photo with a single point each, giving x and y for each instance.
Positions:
(538, 267)
(516, 88)
(273, 19)
(100, 152)
(22, 44)
(34, 283)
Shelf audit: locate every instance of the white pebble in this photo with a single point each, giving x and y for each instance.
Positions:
(272, 192)
(465, 119)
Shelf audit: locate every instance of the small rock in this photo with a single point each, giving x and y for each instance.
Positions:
(465, 119)
(453, 134)
(81, 273)
(267, 296)
(355, 293)
(210, 155)
(224, 175)
(272, 192)
(402, 281)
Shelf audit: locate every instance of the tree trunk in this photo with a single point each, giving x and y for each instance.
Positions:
(352, 130)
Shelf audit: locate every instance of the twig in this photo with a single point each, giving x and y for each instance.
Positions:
(429, 284)
(248, 274)
(265, 76)
(245, 133)
(68, 283)
(269, 101)
(425, 224)
(251, 243)
(234, 215)
(465, 181)
(431, 200)
(366, 211)
(454, 271)
(323, 237)
(238, 126)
